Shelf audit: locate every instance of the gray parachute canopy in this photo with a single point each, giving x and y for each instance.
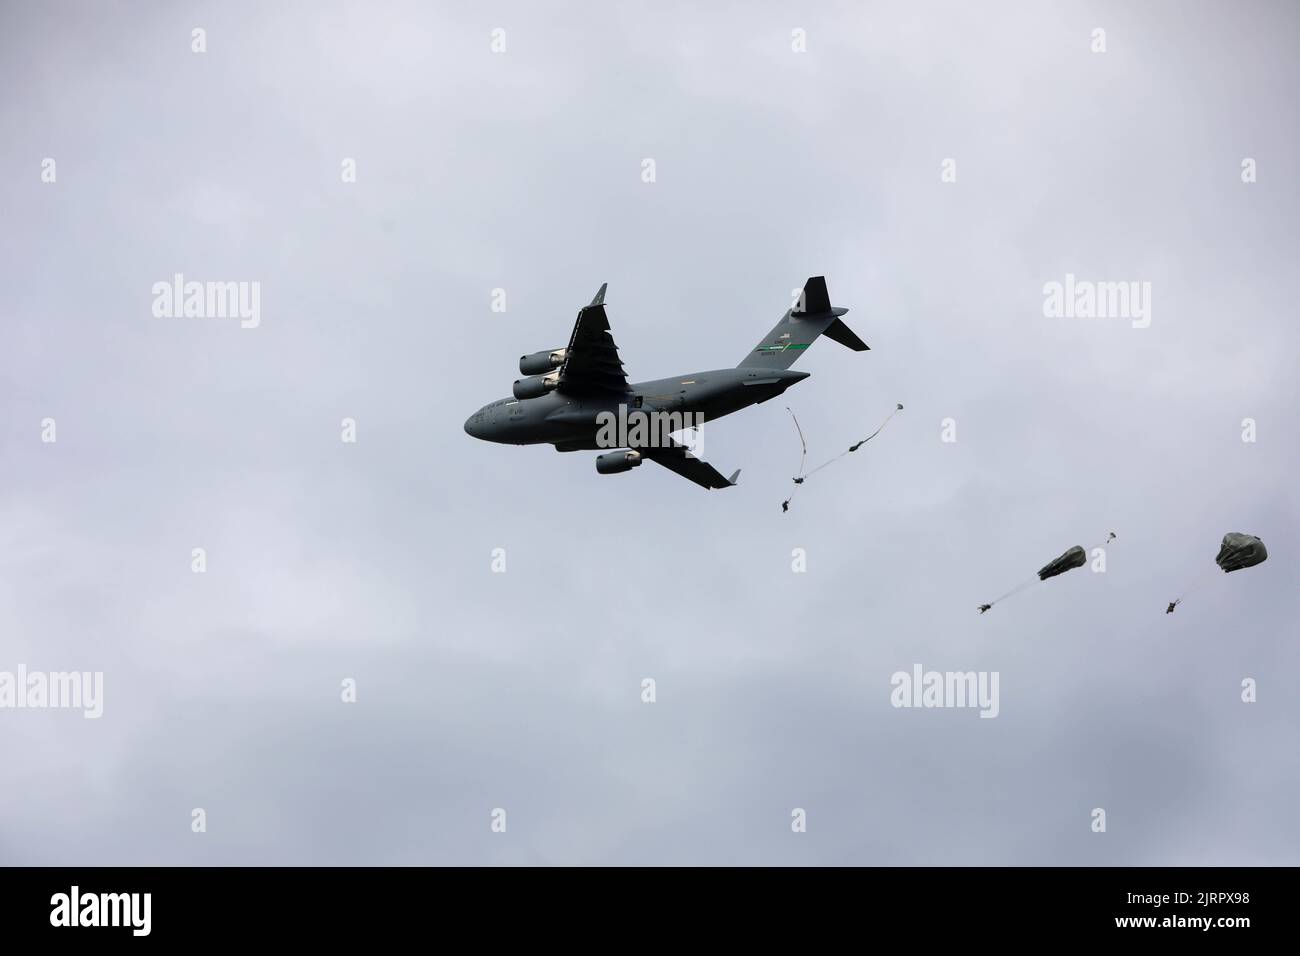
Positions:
(1076, 557)
(1240, 551)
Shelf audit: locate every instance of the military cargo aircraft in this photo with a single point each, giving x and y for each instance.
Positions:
(568, 392)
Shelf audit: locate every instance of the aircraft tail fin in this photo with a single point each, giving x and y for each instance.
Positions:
(814, 300)
(812, 315)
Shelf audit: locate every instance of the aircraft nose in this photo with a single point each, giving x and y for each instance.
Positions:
(471, 427)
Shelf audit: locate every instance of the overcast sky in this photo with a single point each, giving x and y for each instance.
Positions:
(522, 170)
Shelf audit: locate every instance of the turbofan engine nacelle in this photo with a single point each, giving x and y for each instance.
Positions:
(539, 363)
(535, 386)
(615, 462)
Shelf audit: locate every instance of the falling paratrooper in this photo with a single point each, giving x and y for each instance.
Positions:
(1236, 552)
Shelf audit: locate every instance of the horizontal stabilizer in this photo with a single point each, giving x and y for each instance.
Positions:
(841, 333)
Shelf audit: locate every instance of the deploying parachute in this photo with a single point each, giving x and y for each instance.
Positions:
(1237, 551)
(1076, 557)
(1240, 551)
(803, 456)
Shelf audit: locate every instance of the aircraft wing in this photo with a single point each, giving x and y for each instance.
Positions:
(591, 365)
(677, 458)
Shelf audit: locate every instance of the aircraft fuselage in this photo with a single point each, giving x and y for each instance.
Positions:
(570, 422)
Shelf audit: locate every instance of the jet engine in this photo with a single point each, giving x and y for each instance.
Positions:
(616, 462)
(535, 386)
(539, 363)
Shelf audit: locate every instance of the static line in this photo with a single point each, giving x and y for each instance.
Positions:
(802, 477)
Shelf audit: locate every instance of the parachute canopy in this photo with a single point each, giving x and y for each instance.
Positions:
(1076, 557)
(1240, 551)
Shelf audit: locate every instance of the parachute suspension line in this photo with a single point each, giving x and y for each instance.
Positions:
(825, 463)
(803, 446)
(1196, 583)
(857, 445)
(1015, 590)
(803, 458)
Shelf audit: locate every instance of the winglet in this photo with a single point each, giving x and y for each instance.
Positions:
(600, 296)
(734, 476)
